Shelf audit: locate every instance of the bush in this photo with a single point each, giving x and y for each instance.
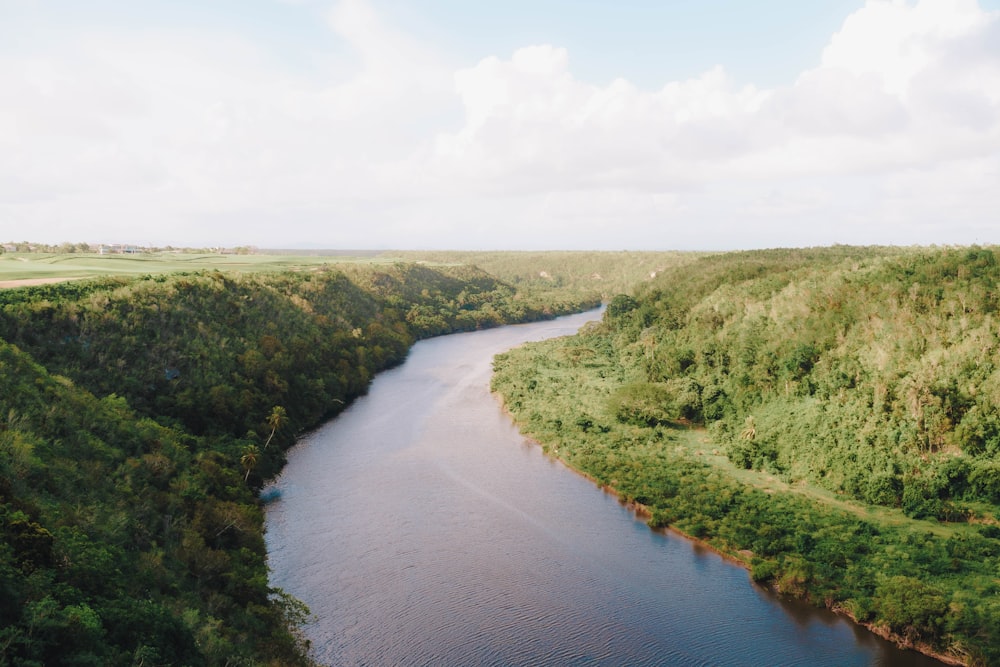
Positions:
(909, 604)
(883, 489)
(644, 404)
(984, 481)
(762, 570)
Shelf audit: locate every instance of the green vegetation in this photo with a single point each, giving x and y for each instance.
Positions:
(66, 266)
(139, 416)
(827, 416)
(557, 273)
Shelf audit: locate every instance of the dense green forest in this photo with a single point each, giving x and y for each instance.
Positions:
(563, 272)
(827, 416)
(140, 416)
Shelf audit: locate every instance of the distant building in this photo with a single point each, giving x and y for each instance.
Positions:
(119, 249)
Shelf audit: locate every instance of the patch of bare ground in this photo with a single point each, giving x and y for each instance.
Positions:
(29, 282)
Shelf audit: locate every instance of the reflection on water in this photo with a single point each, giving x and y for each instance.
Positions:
(422, 529)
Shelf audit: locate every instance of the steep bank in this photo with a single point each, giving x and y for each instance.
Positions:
(139, 416)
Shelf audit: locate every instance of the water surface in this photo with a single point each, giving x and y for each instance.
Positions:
(422, 529)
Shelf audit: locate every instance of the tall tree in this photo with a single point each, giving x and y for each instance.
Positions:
(277, 419)
(249, 459)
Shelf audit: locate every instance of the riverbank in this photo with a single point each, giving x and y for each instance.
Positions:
(485, 551)
(854, 563)
(742, 558)
(139, 418)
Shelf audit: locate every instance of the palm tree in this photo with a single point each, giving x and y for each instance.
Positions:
(249, 459)
(275, 420)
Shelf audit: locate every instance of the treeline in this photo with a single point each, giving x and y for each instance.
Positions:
(138, 418)
(25, 246)
(864, 381)
(558, 273)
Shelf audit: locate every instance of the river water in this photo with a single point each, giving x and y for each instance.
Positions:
(422, 529)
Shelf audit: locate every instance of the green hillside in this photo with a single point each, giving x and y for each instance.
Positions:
(828, 416)
(138, 419)
(550, 272)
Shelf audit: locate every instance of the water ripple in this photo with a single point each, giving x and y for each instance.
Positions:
(421, 530)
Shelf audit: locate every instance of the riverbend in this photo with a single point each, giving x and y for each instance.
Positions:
(422, 529)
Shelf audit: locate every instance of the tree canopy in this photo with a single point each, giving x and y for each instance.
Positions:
(828, 416)
(138, 419)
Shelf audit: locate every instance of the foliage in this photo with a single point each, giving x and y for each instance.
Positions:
(33, 262)
(851, 445)
(138, 417)
(556, 274)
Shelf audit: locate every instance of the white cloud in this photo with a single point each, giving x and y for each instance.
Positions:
(167, 136)
(891, 89)
(197, 138)
(897, 41)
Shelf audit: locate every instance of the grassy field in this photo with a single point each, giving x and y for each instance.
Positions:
(44, 267)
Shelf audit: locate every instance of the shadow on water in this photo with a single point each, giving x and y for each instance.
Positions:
(270, 494)
(884, 653)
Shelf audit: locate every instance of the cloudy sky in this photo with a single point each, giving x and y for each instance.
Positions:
(525, 124)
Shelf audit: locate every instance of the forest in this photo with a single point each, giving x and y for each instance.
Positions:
(828, 417)
(825, 416)
(139, 418)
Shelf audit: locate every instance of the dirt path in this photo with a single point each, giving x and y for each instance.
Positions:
(701, 448)
(28, 282)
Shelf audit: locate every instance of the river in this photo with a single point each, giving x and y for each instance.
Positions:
(422, 529)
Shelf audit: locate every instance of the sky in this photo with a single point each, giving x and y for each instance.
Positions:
(522, 124)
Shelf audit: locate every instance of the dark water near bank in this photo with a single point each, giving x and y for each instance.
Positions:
(422, 529)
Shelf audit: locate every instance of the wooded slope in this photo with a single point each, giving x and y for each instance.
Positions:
(874, 376)
(557, 273)
(138, 418)
(852, 449)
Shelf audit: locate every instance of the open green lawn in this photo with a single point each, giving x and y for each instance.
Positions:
(45, 266)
